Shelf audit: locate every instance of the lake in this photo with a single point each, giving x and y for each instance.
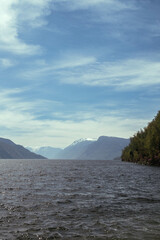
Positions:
(70, 199)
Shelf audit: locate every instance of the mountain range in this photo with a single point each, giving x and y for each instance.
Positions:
(104, 148)
(10, 150)
(48, 152)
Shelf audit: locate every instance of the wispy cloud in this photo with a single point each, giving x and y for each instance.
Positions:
(68, 61)
(88, 57)
(122, 74)
(14, 15)
(27, 129)
(120, 17)
(6, 63)
(87, 4)
(17, 15)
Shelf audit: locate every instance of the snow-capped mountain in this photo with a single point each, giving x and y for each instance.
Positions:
(104, 148)
(74, 150)
(82, 140)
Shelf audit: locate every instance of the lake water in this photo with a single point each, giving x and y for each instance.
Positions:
(67, 199)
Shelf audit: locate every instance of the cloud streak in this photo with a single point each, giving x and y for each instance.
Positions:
(17, 16)
(122, 74)
(120, 17)
(82, 81)
(68, 61)
(27, 129)
(14, 16)
(72, 5)
(6, 63)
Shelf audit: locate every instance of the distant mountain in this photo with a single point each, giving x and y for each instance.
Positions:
(48, 152)
(10, 150)
(105, 148)
(76, 149)
(144, 147)
(82, 140)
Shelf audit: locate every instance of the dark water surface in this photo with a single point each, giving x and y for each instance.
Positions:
(44, 199)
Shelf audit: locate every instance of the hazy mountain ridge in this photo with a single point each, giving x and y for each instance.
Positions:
(104, 148)
(46, 151)
(75, 150)
(82, 140)
(10, 150)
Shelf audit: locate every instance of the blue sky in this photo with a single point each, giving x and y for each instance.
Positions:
(75, 69)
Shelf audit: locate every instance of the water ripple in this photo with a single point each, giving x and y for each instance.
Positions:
(42, 199)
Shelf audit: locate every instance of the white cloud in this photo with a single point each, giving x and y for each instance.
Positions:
(120, 17)
(121, 74)
(86, 70)
(73, 60)
(73, 5)
(26, 129)
(35, 11)
(67, 61)
(6, 63)
(118, 12)
(15, 13)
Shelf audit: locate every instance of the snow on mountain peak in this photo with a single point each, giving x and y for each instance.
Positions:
(82, 140)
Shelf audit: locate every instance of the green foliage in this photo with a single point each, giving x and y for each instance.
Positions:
(144, 146)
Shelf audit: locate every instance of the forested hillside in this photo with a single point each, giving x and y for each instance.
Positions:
(144, 146)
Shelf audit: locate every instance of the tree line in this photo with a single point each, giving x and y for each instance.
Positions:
(144, 147)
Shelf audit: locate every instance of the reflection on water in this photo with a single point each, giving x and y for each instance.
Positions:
(44, 199)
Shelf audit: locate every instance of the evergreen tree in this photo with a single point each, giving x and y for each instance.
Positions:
(144, 146)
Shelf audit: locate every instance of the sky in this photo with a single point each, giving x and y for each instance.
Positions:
(74, 69)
